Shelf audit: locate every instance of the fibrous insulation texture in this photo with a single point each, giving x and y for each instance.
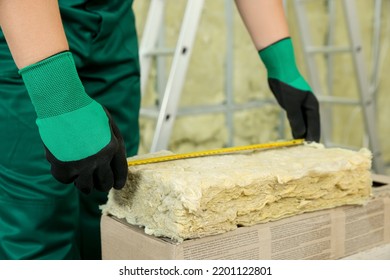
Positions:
(193, 198)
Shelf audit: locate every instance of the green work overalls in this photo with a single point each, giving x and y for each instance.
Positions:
(41, 218)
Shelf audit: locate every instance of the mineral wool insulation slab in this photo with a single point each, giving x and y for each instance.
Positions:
(193, 198)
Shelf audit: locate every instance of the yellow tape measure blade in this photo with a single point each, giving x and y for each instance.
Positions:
(221, 151)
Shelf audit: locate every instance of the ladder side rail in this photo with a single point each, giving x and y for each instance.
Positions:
(175, 83)
(376, 51)
(331, 42)
(150, 38)
(367, 100)
(229, 72)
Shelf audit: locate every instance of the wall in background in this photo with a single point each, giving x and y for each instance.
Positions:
(205, 83)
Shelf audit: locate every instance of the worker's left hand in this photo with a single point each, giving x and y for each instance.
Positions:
(302, 109)
(83, 145)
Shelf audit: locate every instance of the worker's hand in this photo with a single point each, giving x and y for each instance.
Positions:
(301, 107)
(102, 167)
(291, 90)
(82, 142)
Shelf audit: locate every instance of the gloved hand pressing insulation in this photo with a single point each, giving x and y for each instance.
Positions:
(82, 142)
(291, 91)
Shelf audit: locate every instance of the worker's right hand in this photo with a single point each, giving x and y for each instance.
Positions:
(82, 142)
(291, 90)
(302, 109)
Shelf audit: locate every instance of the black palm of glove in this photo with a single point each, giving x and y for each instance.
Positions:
(101, 171)
(302, 109)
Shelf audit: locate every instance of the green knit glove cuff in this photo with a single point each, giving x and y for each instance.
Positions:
(279, 59)
(71, 124)
(54, 86)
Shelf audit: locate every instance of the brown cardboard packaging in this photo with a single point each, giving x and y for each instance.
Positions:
(327, 234)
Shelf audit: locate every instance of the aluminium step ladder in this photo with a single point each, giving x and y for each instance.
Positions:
(181, 56)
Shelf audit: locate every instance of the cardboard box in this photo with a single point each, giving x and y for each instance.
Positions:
(327, 234)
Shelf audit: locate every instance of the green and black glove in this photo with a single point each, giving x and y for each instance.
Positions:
(291, 90)
(82, 142)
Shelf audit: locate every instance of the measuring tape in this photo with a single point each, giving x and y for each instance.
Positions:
(216, 152)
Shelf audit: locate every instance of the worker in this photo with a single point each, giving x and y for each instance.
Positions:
(69, 105)
(267, 25)
(69, 108)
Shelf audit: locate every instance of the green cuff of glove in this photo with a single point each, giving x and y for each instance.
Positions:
(279, 59)
(92, 134)
(54, 86)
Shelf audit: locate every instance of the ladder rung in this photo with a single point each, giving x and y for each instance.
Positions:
(223, 107)
(329, 49)
(340, 100)
(152, 112)
(337, 145)
(149, 112)
(161, 51)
